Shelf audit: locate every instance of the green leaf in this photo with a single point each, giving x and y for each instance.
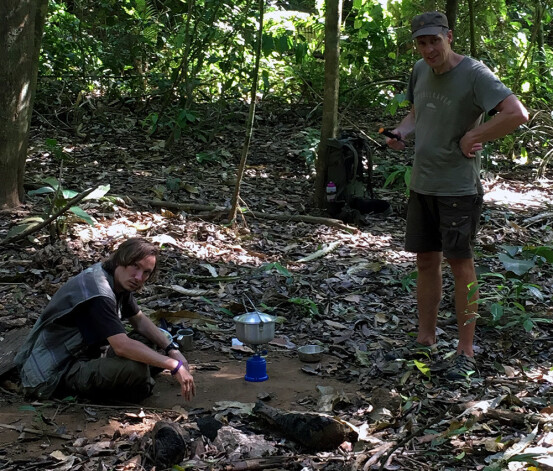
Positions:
(68, 194)
(536, 292)
(518, 267)
(528, 325)
(28, 407)
(42, 191)
(512, 250)
(16, 230)
(496, 311)
(278, 267)
(545, 252)
(52, 182)
(81, 213)
(422, 367)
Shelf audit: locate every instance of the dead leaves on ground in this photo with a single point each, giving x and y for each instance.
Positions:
(352, 293)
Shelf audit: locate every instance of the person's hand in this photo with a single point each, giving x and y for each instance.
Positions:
(469, 147)
(188, 388)
(396, 144)
(183, 376)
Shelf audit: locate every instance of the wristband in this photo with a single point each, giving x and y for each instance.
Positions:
(177, 368)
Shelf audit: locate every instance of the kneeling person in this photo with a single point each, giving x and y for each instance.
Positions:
(62, 351)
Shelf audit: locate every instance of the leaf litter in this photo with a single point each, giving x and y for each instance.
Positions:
(351, 292)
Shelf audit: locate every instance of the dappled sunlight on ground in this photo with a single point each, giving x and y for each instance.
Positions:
(508, 194)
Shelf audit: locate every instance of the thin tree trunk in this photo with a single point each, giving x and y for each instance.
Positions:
(21, 27)
(473, 51)
(251, 117)
(333, 20)
(451, 13)
(539, 12)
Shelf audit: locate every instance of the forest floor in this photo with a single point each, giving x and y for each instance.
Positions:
(351, 291)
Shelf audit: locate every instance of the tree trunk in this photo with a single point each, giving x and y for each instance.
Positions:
(21, 30)
(251, 116)
(451, 13)
(333, 19)
(473, 51)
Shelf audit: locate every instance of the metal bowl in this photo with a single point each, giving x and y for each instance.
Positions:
(310, 353)
(166, 333)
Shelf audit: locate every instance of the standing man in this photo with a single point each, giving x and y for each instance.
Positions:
(450, 94)
(63, 350)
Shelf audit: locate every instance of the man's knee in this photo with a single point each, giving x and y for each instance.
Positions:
(429, 261)
(462, 268)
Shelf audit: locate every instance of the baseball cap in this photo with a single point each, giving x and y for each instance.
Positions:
(429, 23)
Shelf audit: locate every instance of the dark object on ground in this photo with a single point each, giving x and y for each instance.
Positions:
(169, 444)
(209, 426)
(316, 432)
(371, 206)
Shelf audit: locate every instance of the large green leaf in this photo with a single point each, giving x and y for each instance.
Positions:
(23, 226)
(68, 194)
(517, 266)
(83, 215)
(545, 252)
(42, 191)
(53, 182)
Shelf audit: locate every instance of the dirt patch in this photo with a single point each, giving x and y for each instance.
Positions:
(219, 377)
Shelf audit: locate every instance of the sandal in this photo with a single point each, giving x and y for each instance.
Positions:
(461, 368)
(412, 350)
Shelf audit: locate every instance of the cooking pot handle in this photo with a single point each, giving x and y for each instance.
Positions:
(254, 309)
(251, 302)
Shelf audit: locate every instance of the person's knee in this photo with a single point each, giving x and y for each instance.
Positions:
(429, 261)
(462, 268)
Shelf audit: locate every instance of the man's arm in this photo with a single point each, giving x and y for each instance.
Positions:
(405, 128)
(511, 114)
(126, 347)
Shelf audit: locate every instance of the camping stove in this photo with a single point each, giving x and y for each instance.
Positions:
(255, 329)
(256, 366)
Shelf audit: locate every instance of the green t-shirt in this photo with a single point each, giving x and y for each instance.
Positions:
(446, 107)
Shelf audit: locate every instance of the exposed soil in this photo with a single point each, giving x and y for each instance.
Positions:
(219, 379)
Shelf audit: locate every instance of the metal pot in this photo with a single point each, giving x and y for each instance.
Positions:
(255, 328)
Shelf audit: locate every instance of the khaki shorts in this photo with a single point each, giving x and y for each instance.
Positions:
(445, 224)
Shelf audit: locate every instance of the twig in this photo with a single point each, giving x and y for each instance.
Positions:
(537, 218)
(37, 432)
(408, 438)
(44, 223)
(258, 463)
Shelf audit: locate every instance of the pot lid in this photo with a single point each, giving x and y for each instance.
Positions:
(254, 317)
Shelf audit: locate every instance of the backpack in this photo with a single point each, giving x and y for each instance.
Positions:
(346, 168)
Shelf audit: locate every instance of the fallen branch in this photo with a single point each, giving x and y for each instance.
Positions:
(537, 218)
(217, 210)
(304, 218)
(38, 227)
(37, 432)
(258, 463)
(514, 418)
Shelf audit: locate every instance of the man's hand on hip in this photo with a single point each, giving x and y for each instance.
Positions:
(469, 147)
